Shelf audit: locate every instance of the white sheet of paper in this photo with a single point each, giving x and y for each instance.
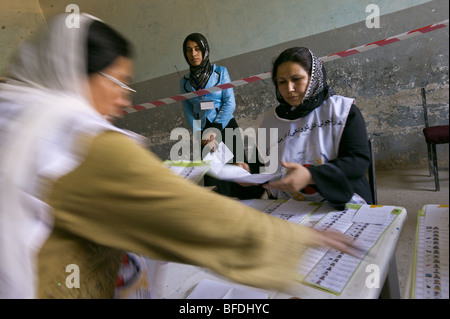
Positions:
(373, 214)
(436, 215)
(238, 174)
(257, 178)
(219, 157)
(208, 289)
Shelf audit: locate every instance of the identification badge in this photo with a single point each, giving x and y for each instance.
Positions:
(206, 105)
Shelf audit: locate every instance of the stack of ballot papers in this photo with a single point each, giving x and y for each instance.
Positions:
(237, 174)
(227, 172)
(215, 165)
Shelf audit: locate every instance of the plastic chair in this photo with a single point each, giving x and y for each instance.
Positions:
(433, 135)
(371, 173)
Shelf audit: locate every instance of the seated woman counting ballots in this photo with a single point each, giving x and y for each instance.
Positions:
(322, 143)
(76, 190)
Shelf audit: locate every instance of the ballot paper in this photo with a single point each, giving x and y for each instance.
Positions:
(193, 171)
(431, 257)
(291, 210)
(219, 157)
(330, 269)
(373, 214)
(320, 267)
(236, 173)
(208, 289)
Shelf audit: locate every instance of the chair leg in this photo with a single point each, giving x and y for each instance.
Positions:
(435, 167)
(430, 160)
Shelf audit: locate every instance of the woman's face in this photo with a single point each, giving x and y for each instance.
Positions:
(108, 96)
(292, 82)
(194, 53)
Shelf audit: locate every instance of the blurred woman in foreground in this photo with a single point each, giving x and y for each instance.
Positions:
(74, 189)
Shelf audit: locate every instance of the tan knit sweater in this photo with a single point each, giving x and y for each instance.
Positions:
(122, 199)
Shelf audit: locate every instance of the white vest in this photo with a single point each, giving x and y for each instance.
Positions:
(310, 140)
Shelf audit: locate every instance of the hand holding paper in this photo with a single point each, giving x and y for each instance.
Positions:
(238, 174)
(296, 178)
(228, 172)
(209, 141)
(219, 157)
(247, 168)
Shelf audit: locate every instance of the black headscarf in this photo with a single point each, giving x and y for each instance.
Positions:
(199, 75)
(317, 92)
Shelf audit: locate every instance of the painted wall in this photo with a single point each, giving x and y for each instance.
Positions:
(18, 20)
(158, 27)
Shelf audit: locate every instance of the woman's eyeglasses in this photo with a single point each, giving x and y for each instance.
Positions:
(121, 84)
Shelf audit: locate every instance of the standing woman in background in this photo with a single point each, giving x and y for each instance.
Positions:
(214, 110)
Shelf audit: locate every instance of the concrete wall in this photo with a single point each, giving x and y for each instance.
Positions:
(18, 20)
(246, 35)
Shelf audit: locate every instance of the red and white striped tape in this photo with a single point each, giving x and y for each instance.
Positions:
(263, 76)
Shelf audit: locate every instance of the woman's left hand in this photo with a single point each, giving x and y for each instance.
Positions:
(297, 178)
(210, 141)
(247, 168)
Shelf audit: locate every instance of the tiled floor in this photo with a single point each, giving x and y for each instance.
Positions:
(411, 189)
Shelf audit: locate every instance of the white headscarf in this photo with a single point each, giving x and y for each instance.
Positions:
(44, 112)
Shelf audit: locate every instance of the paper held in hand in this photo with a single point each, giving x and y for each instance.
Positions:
(228, 172)
(238, 174)
(219, 157)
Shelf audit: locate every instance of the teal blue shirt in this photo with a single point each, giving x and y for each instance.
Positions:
(224, 100)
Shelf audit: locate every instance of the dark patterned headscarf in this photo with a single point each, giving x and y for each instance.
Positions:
(317, 92)
(199, 75)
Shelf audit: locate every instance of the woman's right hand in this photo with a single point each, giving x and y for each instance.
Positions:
(243, 165)
(296, 178)
(336, 240)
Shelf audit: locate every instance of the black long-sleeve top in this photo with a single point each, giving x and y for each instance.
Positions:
(342, 177)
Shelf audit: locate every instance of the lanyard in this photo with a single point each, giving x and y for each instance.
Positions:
(204, 105)
(198, 84)
(201, 87)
